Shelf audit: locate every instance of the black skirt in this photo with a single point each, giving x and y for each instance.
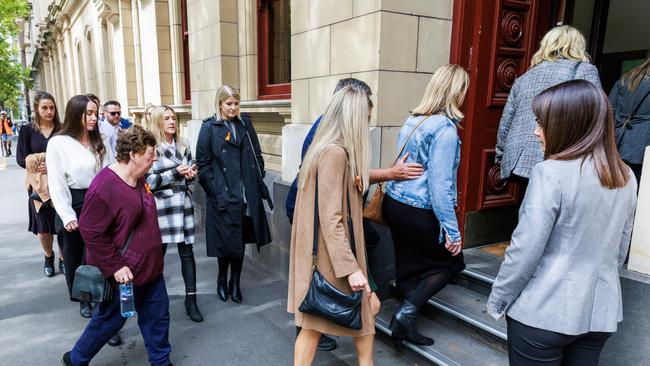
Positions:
(41, 222)
(418, 254)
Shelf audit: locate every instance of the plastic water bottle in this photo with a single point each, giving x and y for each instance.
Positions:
(127, 307)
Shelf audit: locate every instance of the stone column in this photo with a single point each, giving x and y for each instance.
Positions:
(394, 46)
(72, 81)
(63, 78)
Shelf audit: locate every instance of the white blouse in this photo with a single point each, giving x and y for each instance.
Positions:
(69, 165)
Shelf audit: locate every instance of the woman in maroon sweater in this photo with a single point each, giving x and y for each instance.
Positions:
(118, 203)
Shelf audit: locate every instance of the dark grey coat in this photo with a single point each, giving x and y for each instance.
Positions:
(225, 164)
(636, 136)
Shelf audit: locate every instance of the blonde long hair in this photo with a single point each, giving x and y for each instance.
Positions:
(157, 122)
(223, 93)
(445, 93)
(561, 42)
(345, 123)
(634, 77)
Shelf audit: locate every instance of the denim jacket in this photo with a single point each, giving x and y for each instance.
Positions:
(435, 145)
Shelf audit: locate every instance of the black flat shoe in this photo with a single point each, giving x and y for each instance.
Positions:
(61, 266)
(85, 310)
(48, 267)
(115, 340)
(326, 343)
(65, 360)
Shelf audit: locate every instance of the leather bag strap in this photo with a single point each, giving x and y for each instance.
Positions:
(408, 138)
(574, 70)
(128, 240)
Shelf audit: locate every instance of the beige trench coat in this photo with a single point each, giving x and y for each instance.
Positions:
(335, 259)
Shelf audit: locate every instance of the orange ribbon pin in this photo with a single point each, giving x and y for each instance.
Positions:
(228, 136)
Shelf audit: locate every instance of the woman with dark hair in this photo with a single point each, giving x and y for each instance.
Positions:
(630, 98)
(119, 208)
(231, 172)
(32, 143)
(69, 178)
(559, 284)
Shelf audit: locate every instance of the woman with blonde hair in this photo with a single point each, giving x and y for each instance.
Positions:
(331, 182)
(169, 180)
(630, 98)
(231, 172)
(561, 56)
(421, 212)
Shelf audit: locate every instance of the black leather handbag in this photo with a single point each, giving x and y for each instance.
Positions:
(90, 285)
(324, 300)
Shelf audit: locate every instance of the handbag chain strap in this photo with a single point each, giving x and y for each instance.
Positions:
(317, 224)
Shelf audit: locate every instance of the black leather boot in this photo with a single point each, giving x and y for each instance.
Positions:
(61, 266)
(192, 309)
(403, 326)
(233, 288)
(222, 290)
(48, 267)
(115, 340)
(85, 310)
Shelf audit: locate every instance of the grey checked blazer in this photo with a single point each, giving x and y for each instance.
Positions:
(561, 270)
(517, 148)
(173, 200)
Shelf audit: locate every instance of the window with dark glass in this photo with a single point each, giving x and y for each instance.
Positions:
(274, 49)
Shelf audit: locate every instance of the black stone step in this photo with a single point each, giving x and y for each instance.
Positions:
(468, 306)
(455, 343)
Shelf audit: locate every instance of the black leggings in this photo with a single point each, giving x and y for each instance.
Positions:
(188, 265)
(73, 253)
(530, 346)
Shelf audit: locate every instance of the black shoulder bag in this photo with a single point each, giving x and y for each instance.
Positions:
(90, 285)
(324, 300)
(621, 128)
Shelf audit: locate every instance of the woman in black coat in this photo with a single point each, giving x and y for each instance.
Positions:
(231, 172)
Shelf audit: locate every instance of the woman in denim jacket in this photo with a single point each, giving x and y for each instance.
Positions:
(421, 212)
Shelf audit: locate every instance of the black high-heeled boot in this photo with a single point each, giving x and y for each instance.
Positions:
(222, 279)
(236, 265)
(403, 326)
(192, 308)
(61, 266)
(48, 266)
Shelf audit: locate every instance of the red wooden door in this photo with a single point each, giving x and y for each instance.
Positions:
(494, 40)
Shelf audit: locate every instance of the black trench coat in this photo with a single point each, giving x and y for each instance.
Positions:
(224, 165)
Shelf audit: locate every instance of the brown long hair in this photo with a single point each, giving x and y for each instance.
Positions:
(74, 125)
(634, 77)
(38, 97)
(577, 121)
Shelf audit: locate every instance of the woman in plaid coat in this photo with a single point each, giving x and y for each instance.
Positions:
(169, 181)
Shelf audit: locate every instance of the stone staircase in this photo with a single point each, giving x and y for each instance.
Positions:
(464, 334)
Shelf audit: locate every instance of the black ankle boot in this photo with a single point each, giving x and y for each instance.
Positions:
(222, 290)
(115, 340)
(192, 309)
(85, 310)
(403, 326)
(48, 267)
(61, 266)
(234, 290)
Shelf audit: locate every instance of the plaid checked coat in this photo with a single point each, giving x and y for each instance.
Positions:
(173, 199)
(517, 148)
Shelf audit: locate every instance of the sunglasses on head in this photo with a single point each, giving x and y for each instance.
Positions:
(115, 113)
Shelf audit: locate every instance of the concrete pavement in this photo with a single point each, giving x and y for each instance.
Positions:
(38, 324)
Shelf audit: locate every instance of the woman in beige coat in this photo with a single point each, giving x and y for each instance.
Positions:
(339, 159)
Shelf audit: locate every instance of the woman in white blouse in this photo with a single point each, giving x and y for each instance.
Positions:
(74, 156)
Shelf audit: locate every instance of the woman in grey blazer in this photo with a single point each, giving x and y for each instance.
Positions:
(561, 56)
(559, 283)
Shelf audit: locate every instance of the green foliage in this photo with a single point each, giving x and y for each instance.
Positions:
(12, 74)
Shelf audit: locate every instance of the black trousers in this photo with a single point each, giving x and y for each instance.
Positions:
(528, 346)
(188, 265)
(73, 254)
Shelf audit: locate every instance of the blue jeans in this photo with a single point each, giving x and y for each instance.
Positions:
(152, 305)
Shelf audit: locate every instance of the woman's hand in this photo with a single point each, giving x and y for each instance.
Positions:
(403, 170)
(182, 169)
(72, 226)
(375, 305)
(454, 247)
(123, 275)
(42, 168)
(191, 172)
(359, 282)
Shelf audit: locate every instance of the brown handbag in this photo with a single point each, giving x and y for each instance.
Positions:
(372, 211)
